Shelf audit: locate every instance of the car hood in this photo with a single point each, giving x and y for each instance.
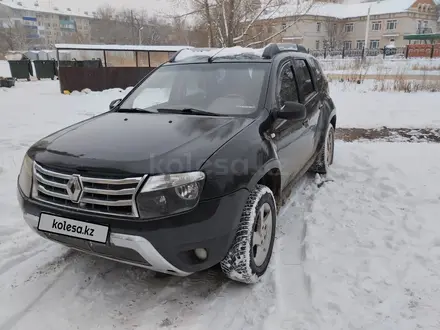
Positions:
(136, 143)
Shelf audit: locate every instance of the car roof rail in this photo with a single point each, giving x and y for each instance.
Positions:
(173, 58)
(192, 49)
(275, 48)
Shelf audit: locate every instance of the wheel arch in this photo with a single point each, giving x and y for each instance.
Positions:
(269, 175)
(333, 119)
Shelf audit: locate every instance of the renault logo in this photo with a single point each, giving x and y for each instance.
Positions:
(74, 188)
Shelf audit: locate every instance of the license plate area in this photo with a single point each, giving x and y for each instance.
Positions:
(73, 228)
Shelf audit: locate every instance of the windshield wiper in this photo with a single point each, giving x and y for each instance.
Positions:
(189, 111)
(134, 110)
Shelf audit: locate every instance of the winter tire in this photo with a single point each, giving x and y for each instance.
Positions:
(251, 250)
(326, 154)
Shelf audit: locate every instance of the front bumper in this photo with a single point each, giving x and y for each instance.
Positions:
(164, 245)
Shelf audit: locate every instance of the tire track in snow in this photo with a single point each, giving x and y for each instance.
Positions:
(237, 306)
(293, 308)
(17, 260)
(14, 319)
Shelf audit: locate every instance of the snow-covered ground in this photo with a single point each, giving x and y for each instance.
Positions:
(372, 244)
(5, 71)
(378, 65)
(359, 249)
(359, 107)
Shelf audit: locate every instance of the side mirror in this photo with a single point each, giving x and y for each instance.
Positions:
(293, 111)
(114, 103)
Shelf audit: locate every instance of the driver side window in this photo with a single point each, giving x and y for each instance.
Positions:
(287, 89)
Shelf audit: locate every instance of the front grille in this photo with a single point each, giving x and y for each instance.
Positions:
(99, 195)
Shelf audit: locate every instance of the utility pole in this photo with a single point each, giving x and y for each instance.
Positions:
(140, 35)
(367, 29)
(132, 27)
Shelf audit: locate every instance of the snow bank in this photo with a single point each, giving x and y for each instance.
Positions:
(5, 71)
(382, 66)
(362, 109)
(372, 242)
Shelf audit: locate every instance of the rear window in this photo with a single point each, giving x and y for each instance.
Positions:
(318, 69)
(305, 82)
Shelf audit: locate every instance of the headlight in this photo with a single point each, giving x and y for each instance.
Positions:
(25, 176)
(169, 194)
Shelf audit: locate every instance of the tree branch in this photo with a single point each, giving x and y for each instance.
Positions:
(273, 35)
(236, 39)
(298, 18)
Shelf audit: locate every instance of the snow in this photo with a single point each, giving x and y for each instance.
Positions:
(341, 11)
(372, 244)
(44, 8)
(121, 47)
(5, 70)
(412, 66)
(357, 249)
(360, 108)
(219, 52)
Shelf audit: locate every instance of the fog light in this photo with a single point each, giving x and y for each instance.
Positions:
(202, 254)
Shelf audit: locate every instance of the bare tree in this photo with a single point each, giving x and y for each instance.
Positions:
(335, 33)
(129, 26)
(229, 22)
(13, 35)
(105, 12)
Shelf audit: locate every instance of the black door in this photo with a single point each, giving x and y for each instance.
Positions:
(309, 96)
(289, 136)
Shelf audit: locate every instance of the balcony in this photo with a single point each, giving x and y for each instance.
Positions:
(424, 30)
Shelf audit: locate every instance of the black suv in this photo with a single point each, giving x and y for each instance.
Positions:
(190, 168)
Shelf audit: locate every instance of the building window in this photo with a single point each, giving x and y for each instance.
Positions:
(376, 26)
(349, 27)
(392, 25)
(374, 44)
(347, 44)
(360, 44)
(317, 44)
(318, 27)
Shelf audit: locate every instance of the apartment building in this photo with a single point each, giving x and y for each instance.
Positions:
(337, 24)
(43, 26)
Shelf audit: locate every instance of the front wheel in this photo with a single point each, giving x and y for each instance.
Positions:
(251, 250)
(326, 153)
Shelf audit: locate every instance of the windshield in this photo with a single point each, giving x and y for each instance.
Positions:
(219, 88)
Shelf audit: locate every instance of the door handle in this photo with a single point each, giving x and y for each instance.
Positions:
(306, 123)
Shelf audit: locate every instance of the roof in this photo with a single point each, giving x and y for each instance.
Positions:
(28, 5)
(121, 47)
(427, 36)
(236, 53)
(204, 53)
(341, 10)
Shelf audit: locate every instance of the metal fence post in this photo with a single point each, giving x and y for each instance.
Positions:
(432, 51)
(407, 51)
(343, 52)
